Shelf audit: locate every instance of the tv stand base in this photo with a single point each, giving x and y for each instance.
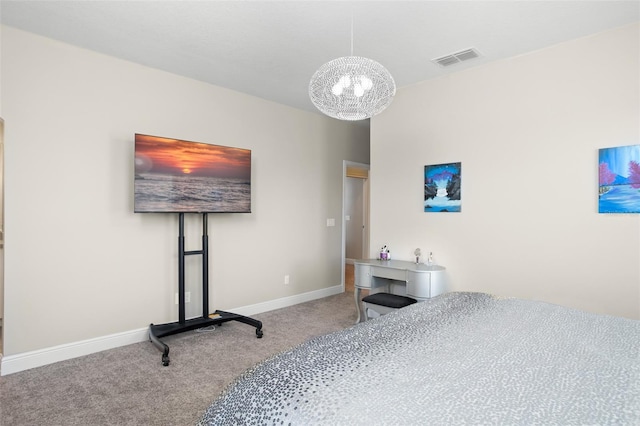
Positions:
(162, 330)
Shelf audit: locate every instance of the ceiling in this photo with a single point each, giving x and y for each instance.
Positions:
(270, 49)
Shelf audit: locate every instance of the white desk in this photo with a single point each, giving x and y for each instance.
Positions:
(420, 281)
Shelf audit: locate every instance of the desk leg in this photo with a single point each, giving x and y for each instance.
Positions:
(356, 293)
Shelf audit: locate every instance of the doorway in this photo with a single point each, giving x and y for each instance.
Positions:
(355, 218)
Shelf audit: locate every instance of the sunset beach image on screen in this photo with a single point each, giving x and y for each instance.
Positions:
(178, 176)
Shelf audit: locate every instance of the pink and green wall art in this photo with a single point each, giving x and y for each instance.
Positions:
(619, 179)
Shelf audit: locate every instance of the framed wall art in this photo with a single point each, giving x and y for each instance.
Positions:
(442, 183)
(619, 179)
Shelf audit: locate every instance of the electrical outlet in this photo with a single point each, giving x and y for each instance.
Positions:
(286, 280)
(187, 297)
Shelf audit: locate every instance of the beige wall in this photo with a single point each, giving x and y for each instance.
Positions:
(80, 264)
(1, 224)
(527, 131)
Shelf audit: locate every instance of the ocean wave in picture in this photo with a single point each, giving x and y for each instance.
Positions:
(191, 194)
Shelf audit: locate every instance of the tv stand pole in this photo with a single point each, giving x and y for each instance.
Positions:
(207, 319)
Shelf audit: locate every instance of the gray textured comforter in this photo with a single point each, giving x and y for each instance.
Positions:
(460, 358)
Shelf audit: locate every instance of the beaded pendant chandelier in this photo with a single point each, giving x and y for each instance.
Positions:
(352, 87)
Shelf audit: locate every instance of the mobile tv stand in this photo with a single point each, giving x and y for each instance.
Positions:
(207, 319)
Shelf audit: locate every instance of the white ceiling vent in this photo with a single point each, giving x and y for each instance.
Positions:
(454, 58)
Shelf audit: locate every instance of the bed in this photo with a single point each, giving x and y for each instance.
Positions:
(459, 358)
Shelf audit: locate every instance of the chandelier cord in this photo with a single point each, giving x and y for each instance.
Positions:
(352, 34)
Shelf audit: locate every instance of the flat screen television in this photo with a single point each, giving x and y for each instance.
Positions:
(178, 176)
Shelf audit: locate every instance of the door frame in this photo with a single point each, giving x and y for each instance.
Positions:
(365, 201)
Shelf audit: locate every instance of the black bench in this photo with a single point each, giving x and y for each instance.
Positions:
(383, 303)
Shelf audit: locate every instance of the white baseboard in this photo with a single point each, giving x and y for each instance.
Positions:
(26, 360)
(38, 358)
(271, 305)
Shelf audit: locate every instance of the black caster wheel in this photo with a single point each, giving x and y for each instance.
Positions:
(165, 361)
(259, 334)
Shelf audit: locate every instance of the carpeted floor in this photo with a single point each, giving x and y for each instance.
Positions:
(129, 385)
